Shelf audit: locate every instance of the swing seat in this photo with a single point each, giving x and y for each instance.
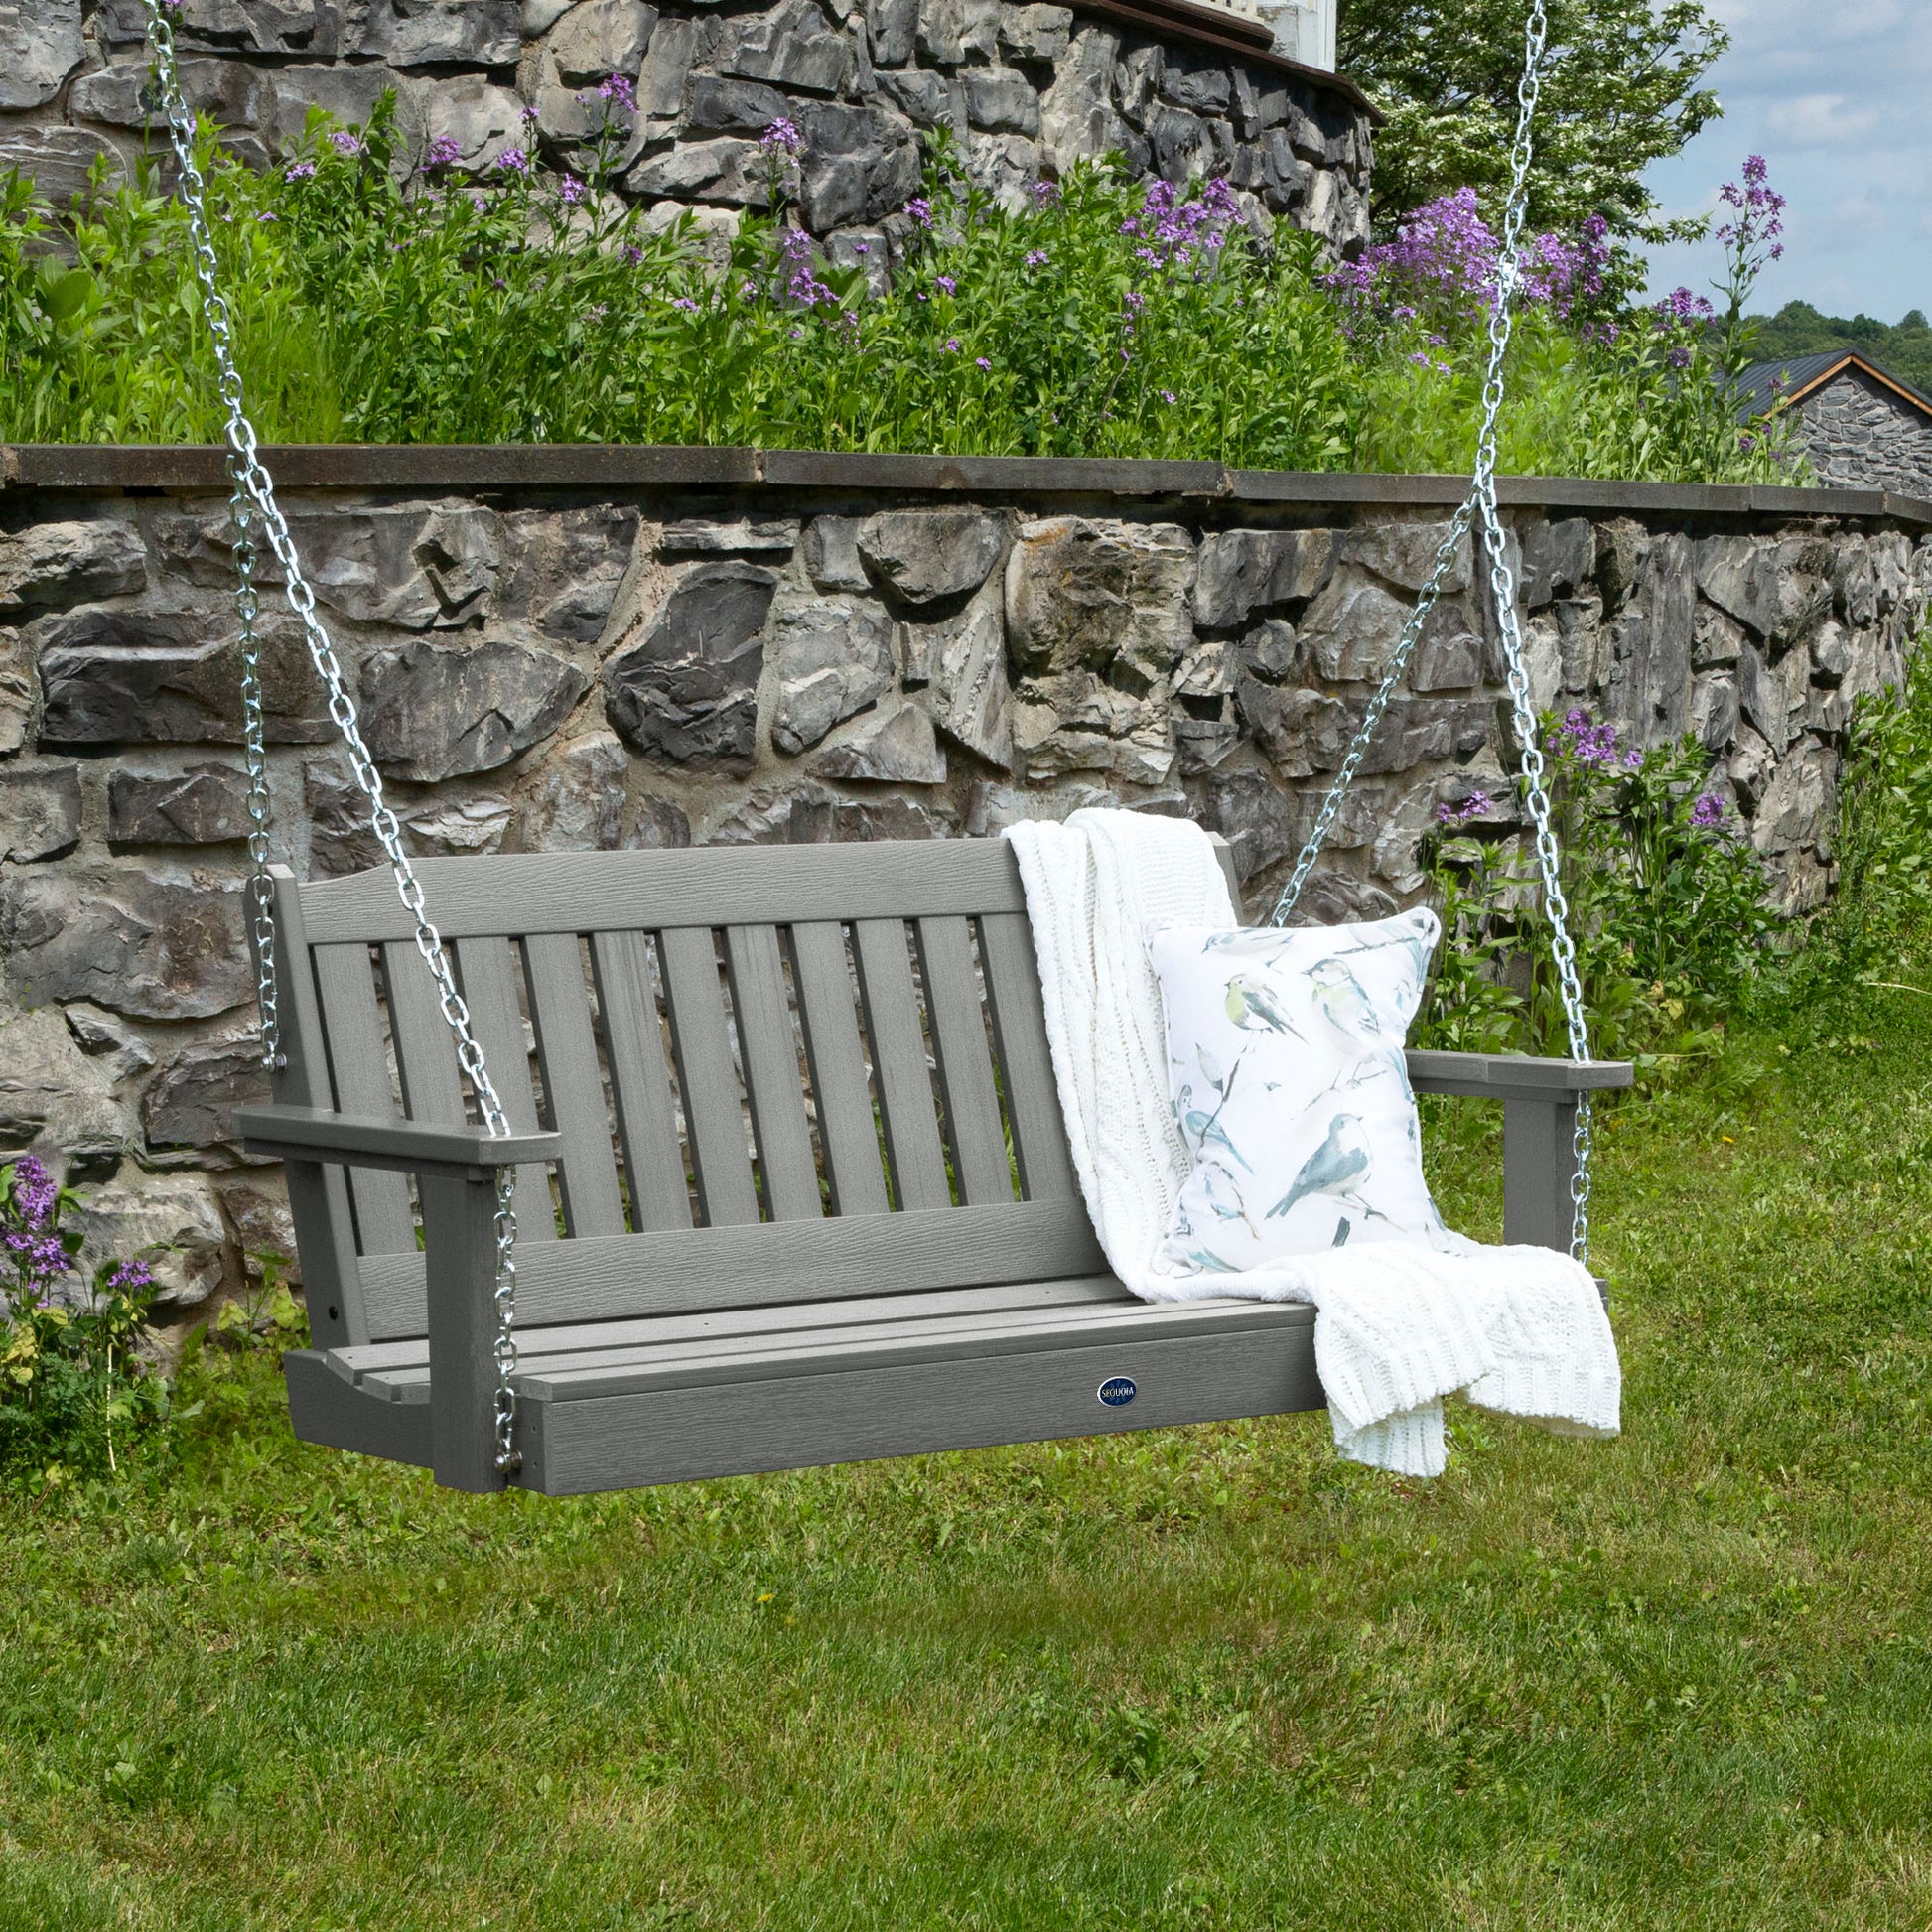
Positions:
(812, 1200)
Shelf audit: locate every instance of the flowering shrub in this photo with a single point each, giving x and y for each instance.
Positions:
(72, 1383)
(1666, 897)
(1440, 269)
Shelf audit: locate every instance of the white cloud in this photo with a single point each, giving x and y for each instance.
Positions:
(1821, 120)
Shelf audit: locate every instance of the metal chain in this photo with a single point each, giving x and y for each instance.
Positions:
(254, 500)
(261, 887)
(1481, 507)
(1502, 585)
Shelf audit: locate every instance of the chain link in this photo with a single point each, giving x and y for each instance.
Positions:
(253, 504)
(1480, 508)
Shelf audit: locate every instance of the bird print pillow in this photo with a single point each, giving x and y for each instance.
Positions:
(1284, 1065)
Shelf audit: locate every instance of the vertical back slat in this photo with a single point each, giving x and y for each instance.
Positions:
(432, 1088)
(706, 1076)
(898, 1060)
(319, 1203)
(1026, 1063)
(653, 1156)
(345, 980)
(490, 992)
(770, 1055)
(836, 1054)
(573, 1082)
(973, 1123)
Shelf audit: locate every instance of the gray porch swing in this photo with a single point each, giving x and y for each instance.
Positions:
(904, 1265)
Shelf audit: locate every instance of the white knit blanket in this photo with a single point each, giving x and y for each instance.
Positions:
(1397, 1327)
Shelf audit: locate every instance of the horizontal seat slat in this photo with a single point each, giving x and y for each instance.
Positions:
(662, 1352)
(676, 1271)
(534, 1345)
(750, 1358)
(524, 894)
(755, 1358)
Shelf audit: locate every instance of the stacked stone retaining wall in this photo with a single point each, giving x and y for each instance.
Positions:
(563, 649)
(1026, 90)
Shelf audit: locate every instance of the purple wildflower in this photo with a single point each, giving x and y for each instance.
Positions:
(685, 303)
(529, 115)
(1708, 811)
(514, 160)
(783, 137)
(1752, 237)
(1587, 741)
(1473, 806)
(802, 284)
(34, 1192)
(952, 345)
(1045, 193)
(920, 210)
(301, 169)
(569, 190)
(1444, 264)
(945, 284)
(267, 215)
(443, 151)
(344, 143)
(132, 1275)
(1035, 258)
(618, 90)
(1169, 397)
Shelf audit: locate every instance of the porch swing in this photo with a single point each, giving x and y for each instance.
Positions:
(904, 1265)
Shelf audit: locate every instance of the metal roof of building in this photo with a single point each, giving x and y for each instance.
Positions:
(1768, 386)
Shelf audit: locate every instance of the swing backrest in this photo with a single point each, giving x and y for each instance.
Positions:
(780, 1074)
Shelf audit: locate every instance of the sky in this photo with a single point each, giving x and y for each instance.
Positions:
(1836, 95)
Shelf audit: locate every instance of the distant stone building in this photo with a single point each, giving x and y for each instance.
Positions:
(1862, 427)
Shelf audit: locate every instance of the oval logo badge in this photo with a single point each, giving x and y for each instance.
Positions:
(1118, 1391)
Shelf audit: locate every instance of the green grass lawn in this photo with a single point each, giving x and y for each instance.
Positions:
(1199, 1679)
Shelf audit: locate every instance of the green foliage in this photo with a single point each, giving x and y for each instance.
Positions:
(1648, 403)
(1880, 915)
(1106, 318)
(1905, 348)
(1667, 904)
(112, 349)
(1620, 91)
(72, 1382)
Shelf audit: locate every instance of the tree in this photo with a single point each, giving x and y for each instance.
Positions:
(1620, 90)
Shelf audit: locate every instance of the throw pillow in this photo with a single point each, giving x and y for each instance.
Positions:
(1286, 1069)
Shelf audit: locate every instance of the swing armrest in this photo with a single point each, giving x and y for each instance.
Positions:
(1513, 1076)
(406, 1146)
(1540, 1099)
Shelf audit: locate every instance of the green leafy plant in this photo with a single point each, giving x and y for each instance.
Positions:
(1667, 903)
(1882, 911)
(72, 1382)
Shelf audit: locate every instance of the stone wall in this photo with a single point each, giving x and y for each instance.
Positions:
(1860, 434)
(566, 648)
(1027, 88)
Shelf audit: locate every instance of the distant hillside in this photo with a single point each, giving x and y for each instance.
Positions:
(1905, 348)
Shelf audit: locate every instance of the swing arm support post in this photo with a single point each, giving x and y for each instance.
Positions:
(1539, 1161)
(460, 1255)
